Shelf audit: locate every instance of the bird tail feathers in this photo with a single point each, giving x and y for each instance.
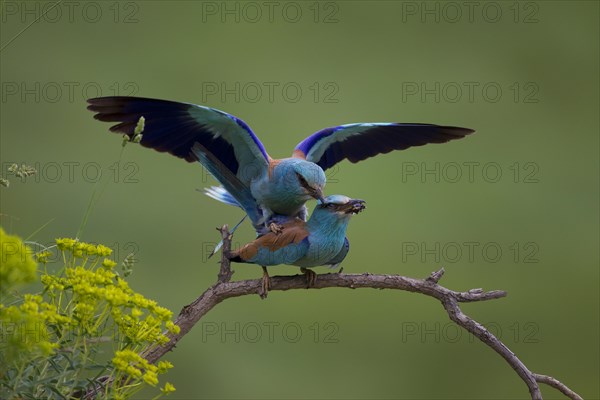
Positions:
(219, 193)
(234, 191)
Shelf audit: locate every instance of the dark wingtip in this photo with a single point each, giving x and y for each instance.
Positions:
(455, 132)
(465, 131)
(99, 100)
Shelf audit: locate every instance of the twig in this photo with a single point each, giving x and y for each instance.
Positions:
(450, 299)
(558, 385)
(225, 271)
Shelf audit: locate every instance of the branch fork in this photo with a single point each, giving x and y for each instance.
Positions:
(224, 289)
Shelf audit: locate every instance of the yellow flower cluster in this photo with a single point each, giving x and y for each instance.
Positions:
(16, 262)
(168, 388)
(132, 365)
(87, 300)
(42, 256)
(81, 249)
(25, 329)
(100, 291)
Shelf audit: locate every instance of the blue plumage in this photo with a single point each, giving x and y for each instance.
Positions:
(357, 142)
(272, 192)
(278, 186)
(318, 241)
(175, 127)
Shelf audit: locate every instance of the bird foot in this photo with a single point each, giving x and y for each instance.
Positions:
(275, 228)
(266, 284)
(311, 276)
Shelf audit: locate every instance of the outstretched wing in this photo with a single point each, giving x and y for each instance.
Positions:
(174, 128)
(357, 142)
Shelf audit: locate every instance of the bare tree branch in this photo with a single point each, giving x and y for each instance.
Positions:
(450, 299)
(558, 385)
(225, 271)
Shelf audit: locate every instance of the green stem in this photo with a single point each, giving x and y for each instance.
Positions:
(94, 199)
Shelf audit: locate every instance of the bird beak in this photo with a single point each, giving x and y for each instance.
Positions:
(318, 194)
(355, 206)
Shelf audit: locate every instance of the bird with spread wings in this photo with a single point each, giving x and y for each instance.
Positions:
(262, 186)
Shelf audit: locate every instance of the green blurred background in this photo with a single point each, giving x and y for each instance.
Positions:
(533, 71)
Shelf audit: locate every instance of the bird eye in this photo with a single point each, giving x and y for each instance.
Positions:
(330, 205)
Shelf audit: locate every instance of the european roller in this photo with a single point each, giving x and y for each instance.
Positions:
(319, 241)
(277, 186)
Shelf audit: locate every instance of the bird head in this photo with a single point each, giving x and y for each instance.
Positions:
(341, 206)
(311, 179)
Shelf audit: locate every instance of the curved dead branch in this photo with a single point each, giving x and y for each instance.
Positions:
(225, 289)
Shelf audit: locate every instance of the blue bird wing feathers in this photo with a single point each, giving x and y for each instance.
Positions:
(233, 191)
(220, 194)
(339, 257)
(357, 142)
(174, 127)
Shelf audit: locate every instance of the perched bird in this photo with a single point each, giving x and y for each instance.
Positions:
(319, 241)
(277, 186)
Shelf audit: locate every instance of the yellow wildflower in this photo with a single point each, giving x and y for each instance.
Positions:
(43, 256)
(151, 378)
(169, 388)
(136, 312)
(103, 251)
(16, 262)
(85, 301)
(108, 263)
(163, 366)
(171, 327)
(65, 243)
